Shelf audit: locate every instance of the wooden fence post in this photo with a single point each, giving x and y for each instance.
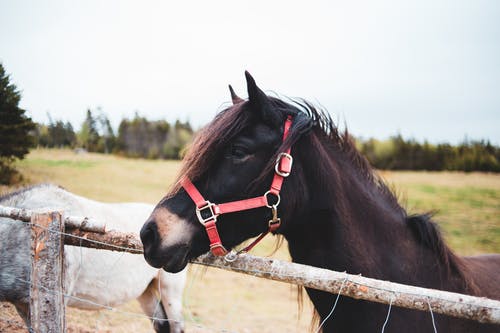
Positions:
(47, 313)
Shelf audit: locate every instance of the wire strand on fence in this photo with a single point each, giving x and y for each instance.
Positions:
(187, 291)
(124, 248)
(432, 315)
(97, 320)
(132, 250)
(107, 307)
(388, 314)
(334, 306)
(158, 300)
(103, 306)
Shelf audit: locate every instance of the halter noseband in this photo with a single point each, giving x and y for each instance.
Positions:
(208, 212)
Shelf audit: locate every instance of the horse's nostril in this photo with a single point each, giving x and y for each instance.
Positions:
(149, 234)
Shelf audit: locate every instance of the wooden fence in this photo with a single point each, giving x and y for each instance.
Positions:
(50, 231)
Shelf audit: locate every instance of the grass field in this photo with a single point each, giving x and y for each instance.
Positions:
(467, 208)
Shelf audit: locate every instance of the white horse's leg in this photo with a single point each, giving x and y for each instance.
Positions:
(171, 288)
(23, 310)
(152, 307)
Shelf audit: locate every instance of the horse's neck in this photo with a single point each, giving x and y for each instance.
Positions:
(355, 227)
(363, 245)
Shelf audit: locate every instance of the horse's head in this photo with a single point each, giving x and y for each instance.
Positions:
(232, 158)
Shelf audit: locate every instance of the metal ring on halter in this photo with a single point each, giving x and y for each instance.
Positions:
(231, 256)
(278, 199)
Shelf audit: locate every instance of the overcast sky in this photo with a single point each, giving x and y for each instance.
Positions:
(427, 69)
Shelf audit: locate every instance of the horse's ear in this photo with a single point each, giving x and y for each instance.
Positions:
(259, 100)
(235, 98)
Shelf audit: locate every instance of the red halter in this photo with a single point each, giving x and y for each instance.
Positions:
(211, 211)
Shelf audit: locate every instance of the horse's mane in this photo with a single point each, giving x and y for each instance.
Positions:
(425, 231)
(342, 142)
(15, 193)
(428, 234)
(314, 121)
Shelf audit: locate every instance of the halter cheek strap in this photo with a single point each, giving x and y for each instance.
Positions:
(208, 212)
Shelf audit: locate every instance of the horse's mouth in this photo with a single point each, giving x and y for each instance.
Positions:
(173, 260)
(176, 267)
(177, 264)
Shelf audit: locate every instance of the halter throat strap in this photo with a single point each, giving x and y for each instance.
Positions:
(208, 212)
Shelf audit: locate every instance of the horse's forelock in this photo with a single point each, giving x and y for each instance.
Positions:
(212, 140)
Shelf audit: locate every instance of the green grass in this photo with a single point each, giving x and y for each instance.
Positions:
(467, 209)
(466, 206)
(40, 162)
(102, 177)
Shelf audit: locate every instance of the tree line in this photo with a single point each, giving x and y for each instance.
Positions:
(136, 137)
(140, 137)
(397, 153)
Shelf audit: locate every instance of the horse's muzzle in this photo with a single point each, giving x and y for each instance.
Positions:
(172, 258)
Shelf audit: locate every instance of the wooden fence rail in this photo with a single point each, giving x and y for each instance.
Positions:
(457, 305)
(75, 222)
(355, 286)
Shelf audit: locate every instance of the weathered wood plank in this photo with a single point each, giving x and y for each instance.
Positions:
(111, 240)
(355, 286)
(47, 310)
(76, 222)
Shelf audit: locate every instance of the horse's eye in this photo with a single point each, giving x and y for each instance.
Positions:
(238, 151)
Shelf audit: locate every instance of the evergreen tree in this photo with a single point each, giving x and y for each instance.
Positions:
(107, 138)
(88, 137)
(57, 134)
(15, 127)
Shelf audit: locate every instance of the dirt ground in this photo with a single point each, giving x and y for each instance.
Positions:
(10, 322)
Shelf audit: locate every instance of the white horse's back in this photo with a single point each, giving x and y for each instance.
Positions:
(101, 277)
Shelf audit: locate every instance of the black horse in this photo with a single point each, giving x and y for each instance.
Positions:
(336, 214)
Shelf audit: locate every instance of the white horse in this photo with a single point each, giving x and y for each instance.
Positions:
(93, 278)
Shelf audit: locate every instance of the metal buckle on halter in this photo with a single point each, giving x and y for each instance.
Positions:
(199, 210)
(275, 220)
(278, 162)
